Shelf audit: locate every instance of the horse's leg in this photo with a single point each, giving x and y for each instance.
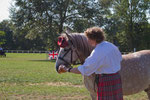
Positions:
(148, 92)
(89, 82)
(93, 96)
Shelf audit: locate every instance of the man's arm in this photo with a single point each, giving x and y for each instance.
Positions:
(75, 70)
(63, 69)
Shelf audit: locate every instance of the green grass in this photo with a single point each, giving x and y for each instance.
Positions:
(32, 77)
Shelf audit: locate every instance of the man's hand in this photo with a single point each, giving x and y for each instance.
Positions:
(62, 69)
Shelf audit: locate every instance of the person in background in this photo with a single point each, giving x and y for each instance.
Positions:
(1, 49)
(105, 62)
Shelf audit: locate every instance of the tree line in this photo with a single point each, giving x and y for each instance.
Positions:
(36, 24)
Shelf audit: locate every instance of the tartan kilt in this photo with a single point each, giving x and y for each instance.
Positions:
(109, 87)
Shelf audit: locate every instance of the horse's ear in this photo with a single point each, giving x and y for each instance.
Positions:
(62, 42)
(68, 36)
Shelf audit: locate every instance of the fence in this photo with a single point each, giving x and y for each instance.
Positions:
(49, 54)
(25, 51)
(28, 51)
(126, 52)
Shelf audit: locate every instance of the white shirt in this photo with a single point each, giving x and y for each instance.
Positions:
(104, 59)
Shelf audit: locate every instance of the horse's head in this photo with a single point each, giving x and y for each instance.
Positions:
(68, 53)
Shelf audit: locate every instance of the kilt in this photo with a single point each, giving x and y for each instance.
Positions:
(109, 87)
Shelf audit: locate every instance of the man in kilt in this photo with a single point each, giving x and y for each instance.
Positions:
(104, 61)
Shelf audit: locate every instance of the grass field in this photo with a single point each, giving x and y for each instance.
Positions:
(32, 77)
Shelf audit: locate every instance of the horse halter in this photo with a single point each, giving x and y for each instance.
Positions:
(69, 64)
(63, 43)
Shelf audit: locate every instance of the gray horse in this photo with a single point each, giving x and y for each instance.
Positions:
(135, 67)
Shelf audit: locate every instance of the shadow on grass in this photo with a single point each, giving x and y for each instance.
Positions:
(43, 60)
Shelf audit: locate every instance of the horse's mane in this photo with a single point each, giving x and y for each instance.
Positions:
(80, 42)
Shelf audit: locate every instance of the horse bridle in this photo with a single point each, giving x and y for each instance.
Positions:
(70, 49)
(74, 63)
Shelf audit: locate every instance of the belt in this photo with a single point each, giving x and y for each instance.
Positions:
(104, 74)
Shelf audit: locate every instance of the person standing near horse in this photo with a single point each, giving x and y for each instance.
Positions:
(105, 62)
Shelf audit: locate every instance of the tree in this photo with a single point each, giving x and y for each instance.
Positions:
(2, 40)
(6, 35)
(129, 13)
(44, 20)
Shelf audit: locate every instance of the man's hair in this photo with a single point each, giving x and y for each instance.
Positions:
(95, 33)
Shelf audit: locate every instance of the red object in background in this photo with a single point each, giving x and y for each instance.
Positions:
(53, 55)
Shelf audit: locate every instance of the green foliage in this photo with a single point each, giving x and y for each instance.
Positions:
(80, 25)
(44, 20)
(2, 33)
(122, 40)
(2, 39)
(36, 24)
(128, 19)
(8, 36)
